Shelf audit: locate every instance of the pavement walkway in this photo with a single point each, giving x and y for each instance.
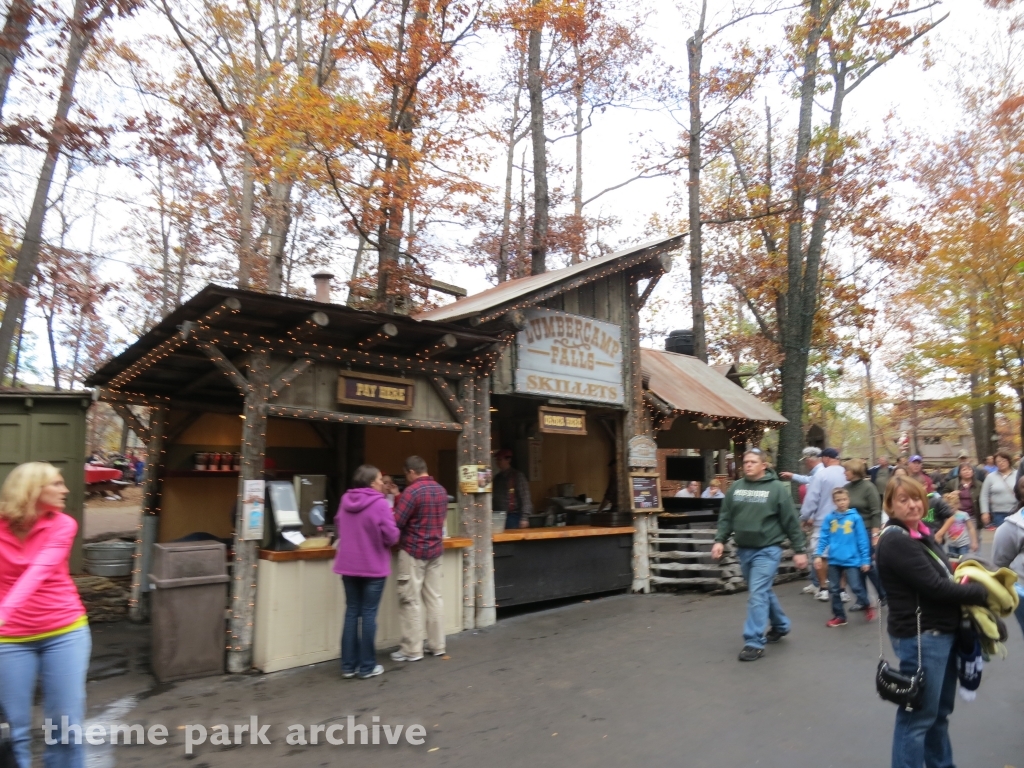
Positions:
(625, 680)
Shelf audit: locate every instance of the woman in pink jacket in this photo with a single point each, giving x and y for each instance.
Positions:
(44, 634)
(366, 532)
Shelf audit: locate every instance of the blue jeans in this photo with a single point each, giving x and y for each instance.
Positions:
(853, 581)
(922, 737)
(759, 568)
(953, 551)
(873, 576)
(362, 597)
(61, 664)
(998, 518)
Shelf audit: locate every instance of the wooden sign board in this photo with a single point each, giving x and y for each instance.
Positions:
(375, 391)
(645, 492)
(562, 421)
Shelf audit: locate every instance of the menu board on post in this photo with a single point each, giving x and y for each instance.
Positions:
(475, 478)
(253, 509)
(645, 492)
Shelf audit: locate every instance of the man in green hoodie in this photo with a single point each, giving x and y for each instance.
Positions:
(759, 511)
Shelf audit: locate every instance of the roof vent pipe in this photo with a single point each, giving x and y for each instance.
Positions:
(680, 342)
(323, 286)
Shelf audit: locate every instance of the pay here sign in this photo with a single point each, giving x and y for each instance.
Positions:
(569, 356)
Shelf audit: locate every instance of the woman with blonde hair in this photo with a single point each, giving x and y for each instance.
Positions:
(924, 614)
(44, 634)
(864, 497)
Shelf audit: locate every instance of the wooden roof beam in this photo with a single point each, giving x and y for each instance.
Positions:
(129, 418)
(287, 377)
(443, 344)
(310, 325)
(220, 360)
(385, 332)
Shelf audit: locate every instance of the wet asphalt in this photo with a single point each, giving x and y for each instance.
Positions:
(623, 680)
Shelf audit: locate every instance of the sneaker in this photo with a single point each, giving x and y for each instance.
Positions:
(822, 595)
(845, 596)
(399, 656)
(774, 635)
(835, 622)
(750, 653)
(378, 670)
(348, 675)
(810, 589)
(857, 607)
(435, 653)
(870, 615)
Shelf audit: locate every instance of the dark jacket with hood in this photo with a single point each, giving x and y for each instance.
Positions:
(760, 513)
(366, 533)
(915, 570)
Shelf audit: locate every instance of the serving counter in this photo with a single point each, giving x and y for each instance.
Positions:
(536, 564)
(300, 606)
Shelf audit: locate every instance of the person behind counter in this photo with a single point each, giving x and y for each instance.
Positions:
(714, 490)
(691, 491)
(511, 492)
(420, 514)
(366, 533)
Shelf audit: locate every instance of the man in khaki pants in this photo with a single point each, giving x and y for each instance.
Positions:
(420, 514)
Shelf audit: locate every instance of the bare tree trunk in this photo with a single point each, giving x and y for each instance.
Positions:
(535, 87)
(793, 317)
(579, 237)
(12, 40)
(694, 55)
(280, 223)
(82, 33)
(871, 410)
(510, 165)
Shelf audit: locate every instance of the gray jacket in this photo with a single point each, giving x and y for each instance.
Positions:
(1008, 544)
(997, 494)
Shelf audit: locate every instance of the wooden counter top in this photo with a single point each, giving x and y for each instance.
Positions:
(561, 532)
(327, 553)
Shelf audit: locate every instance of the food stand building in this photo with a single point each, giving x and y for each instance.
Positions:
(547, 366)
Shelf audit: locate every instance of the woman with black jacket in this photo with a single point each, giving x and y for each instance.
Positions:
(916, 576)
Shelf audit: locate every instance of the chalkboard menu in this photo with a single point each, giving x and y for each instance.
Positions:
(645, 492)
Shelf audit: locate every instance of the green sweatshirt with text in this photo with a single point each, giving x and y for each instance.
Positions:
(760, 513)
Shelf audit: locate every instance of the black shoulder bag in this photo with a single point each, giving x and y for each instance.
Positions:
(892, 685)
(6, 742)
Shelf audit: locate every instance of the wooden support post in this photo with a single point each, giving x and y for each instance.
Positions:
(467, 455)
(132, 422)
(486, 614)
(156, 450)
(220, 360)
(243, 585)
(633, 425)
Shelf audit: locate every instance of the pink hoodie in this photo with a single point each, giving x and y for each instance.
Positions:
(37, 594)
(366, 532)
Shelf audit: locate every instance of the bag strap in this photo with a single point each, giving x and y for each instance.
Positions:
(881, 644)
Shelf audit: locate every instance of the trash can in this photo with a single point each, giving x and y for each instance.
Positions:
(188, 584)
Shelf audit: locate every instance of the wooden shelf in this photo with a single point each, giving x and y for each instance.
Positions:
(560, 532)
(327, 553)
(200, 473)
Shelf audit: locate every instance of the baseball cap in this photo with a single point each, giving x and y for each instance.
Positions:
(915, 457)
(830, 453)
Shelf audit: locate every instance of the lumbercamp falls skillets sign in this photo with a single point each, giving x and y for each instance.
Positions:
(568, 356)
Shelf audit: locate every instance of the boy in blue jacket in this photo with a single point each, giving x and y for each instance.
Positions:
(845, 539)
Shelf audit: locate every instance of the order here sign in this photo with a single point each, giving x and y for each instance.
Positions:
(569, 356)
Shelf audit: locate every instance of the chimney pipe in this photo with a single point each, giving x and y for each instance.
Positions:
(323, 286)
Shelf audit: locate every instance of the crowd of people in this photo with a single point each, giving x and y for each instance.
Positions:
(893, 525)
